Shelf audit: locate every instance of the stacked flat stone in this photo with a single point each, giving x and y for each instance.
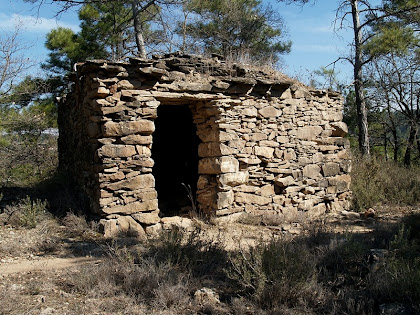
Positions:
(268, 144)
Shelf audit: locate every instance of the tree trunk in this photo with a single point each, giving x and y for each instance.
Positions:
(138, 32)
(392, 127)
(358, 82)
(410, 142)
(385, 142)
(418, 143)
(396, 146)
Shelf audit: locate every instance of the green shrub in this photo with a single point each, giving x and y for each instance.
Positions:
(27, 154)
(398, 279)
(190, 252)
(377, 181)
(344, 261)
(27, 213)
(279, 273)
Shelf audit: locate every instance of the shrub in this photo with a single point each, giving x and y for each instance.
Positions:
(27, 213)
(28, 155)
(344, 261)
(398, 280)
(77, 226)
(193, 254)
(376, 181)
(127, 274)
(278, 273)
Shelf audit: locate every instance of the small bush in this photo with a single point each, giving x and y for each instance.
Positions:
(191, 253)
(316, 273)
(376, 181)
(398, 281)
(344, 261)
(28, 155)
(47, 245)
(275, 274)
(27, 213)
(77, 226)
(146, 281)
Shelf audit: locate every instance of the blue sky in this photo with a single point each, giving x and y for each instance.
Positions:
(310, 28)
(315, 43)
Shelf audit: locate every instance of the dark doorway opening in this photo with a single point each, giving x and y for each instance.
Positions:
(175, 152)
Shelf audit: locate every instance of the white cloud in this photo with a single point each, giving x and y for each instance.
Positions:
(32, 24)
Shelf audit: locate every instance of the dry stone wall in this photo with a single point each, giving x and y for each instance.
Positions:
(268, 144)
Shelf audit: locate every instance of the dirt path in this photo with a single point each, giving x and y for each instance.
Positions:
(45, 264)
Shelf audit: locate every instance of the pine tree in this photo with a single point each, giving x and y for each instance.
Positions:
(236, 29)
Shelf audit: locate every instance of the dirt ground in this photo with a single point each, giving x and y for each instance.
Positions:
(34, 263)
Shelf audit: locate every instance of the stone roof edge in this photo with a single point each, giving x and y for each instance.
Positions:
(231, 72)
(227, 69)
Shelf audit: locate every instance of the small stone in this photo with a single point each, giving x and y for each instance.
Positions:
(269, 111)
(183, 223)
(312, 171)
(147, 217)
(142, 126)
(284, 181)
(309, 132)
(250, 112)
(125, 85)
(234, 179)
(109, 227)
(116, 150)
(137, 139)
(339, 129)
(211, 149)
(330, 169)
(350, 214)
(251, 198)
(369, 213)
(133, 207)
(127, 225)
(225, 199)
(264, 152)
(342, 182)
(137, 182)
(220, 84)
(220, 165)
(266, 190)
(206, 296)
(257, 136)
(289, 154)
(282, 139)
(102, 92)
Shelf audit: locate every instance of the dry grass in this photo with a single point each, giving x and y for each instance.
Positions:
(319, 272)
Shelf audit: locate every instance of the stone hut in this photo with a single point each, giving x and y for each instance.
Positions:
(152, 139)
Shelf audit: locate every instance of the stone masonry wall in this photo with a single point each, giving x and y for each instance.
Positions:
(268, 144)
